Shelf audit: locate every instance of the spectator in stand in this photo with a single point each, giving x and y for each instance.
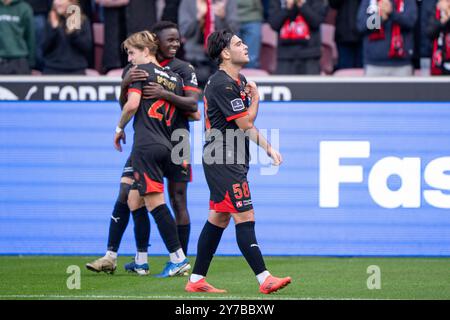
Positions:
(41, 8)
(123, 18)
(422, 43)
(250, 13)
(170, 11)
(439, 31)
(348, 39)
(388, 43)
(68, 40)
(17, 40)
(197, 20)
(299, 42)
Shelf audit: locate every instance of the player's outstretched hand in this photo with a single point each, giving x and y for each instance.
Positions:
(276, 156)
(153, 90)
(117, 137)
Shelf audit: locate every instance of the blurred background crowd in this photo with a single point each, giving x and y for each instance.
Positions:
(295, 37)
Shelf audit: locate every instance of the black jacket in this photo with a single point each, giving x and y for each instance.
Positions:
(40, 6)
(314, 12)
(67, 52)
(347, 11)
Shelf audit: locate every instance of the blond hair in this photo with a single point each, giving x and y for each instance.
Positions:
(141, 40)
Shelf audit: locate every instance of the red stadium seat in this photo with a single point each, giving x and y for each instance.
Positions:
(326, 60)
(115, 73)
(349, 72)
(92, 72)
(269, 43)
(99, 42)
(249, 72)
(329, 49)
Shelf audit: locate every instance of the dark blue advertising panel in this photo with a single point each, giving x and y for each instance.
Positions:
(358, 178)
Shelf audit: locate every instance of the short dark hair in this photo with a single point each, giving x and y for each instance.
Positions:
(217, 41)
(163, 25)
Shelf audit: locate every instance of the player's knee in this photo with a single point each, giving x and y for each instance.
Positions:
(220, 219)
(154, 200)
(135, 201)
(123, 193)
(179, 205)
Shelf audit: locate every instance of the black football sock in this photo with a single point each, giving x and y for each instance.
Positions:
(141, 229)
(118, 224)
(167, 227)
(246, 239)
(206, 248)
(183, 235)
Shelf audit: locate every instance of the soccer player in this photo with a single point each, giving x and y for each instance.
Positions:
(142, 226)
(151, 152)
(178, 175)
(231, 107)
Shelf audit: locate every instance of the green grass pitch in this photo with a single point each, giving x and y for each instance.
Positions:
(45, 277)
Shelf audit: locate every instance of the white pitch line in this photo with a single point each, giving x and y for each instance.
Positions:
(24, 296)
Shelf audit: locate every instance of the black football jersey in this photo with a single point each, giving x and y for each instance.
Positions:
(154, 120)
(225, 100)
(187, 72)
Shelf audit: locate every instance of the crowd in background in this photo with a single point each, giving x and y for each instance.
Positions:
(377, 37)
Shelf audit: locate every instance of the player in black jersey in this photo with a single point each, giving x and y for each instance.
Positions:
(169, 42)
(151, 152)
(178, 174)
(160, 136)
(231, 107)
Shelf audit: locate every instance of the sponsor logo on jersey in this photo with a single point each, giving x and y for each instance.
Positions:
(164, 74)
(194, 79)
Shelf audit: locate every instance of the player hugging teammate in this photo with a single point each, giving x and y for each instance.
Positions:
(173, 104)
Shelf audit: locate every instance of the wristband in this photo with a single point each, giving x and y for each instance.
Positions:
(118, 129)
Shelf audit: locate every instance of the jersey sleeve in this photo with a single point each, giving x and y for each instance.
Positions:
(228, 99)
(180, 86)
(189, 76)
(135, 87)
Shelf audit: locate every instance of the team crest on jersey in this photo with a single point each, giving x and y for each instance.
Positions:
(238, 204)
(237, 105)
(194, 79)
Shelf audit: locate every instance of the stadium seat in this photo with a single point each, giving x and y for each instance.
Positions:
(349, 72)
(92, 72)
(419, 73)
(327, 34)
(249, 72)
(269, 43)
(326, 60)
(115, 73)
(99, 42)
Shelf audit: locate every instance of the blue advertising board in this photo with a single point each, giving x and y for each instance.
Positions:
(358, 179)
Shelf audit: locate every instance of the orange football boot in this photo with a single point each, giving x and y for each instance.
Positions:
(273, 284)
(202, 286)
